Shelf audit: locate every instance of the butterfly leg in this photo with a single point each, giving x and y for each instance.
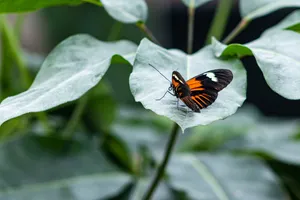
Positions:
(165, 95)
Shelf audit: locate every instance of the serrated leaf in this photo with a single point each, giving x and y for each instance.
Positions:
(127, 11)
(257, 8)
(278, 58)
(30, 172)
(291, 22)
(147, 84)
(223, 177)
(194, 3)
(74, 66)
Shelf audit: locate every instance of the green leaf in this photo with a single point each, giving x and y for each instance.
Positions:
(291, 22)
(212, 136)
(194, 3)
(257, 8)
(224, 177)
(30, 171)
(270, 137)
(278, 58)
(127, 11)
(31, 5)
(147, 84)
(74, 67)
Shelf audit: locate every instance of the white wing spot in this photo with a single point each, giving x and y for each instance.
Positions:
(212, 76)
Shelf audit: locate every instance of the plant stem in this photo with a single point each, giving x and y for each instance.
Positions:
(220, 20)
(147, 31)
(191, 20)
(12, 40)
(239, 28)
(75, 118)
(161, 169)
(115, 31)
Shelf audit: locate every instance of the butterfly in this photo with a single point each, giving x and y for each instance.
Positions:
(200, 91)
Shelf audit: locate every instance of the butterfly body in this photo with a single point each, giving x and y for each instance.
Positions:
(202, 90)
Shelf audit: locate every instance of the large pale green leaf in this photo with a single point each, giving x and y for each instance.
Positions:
(30, 171)
(224, 177)
(277, 56)
(257, 8)
(271, 137)
(147, 84)
(74, 66)
(126, 11)
(162, 192)
(194, 3)
(289, 23)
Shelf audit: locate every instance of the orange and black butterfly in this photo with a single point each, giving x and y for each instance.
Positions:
(200, 91)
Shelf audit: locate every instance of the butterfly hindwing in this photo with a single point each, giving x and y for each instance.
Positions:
(205, 87)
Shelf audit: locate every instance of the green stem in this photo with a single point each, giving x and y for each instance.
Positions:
(147, 31)
(16, 51)
(191, 20)
(220, 20)
(236, 31)
(75, 118)
(161, 169)
(12, 41)
(115, 31)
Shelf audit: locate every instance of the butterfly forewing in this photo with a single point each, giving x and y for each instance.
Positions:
(204, 88)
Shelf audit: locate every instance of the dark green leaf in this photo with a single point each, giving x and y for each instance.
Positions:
(30, 171)
(224, 177)
(74, 67)
(147, 84)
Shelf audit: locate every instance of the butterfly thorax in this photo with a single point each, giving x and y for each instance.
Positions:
(179, 85)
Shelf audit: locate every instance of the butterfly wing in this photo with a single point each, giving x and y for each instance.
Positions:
(205, 87)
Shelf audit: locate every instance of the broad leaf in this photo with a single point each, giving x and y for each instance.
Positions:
(126, 11)
(278, 58)
(194, 3)
(162, 192)
(147, 84)
(224, 177)
(257, 8)
(271, 137)
(30, 171)
(291, 22)
(75, 66)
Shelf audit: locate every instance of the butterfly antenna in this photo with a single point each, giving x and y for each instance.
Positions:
(159, 72)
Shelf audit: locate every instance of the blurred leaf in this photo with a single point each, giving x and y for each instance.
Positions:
(147, 84)
(212, 136)
(29, 171)
(270, 137)
(278, 58)
(75, 66)
(194, 3)
(127, 11)
(257, 8)
(291, 22)
(162, 192)
(31, 5)
(223, 177)
(101, 110)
